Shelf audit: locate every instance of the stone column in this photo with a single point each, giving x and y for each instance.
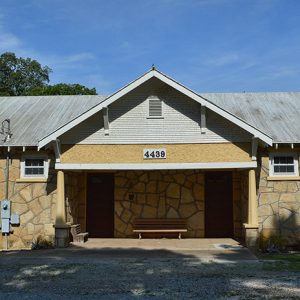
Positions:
(61, 227)
(251, 227)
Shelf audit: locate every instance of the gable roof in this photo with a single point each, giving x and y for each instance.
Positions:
(134, 84)
(34, 117)
(277, 114)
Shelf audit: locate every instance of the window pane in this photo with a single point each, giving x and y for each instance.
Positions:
(34, 162)
(276, 160)
(34, 171)
(283, 160)
(290, 169)
(41, 171)
(290, 160)
(282, 169)
(28, 171)
(276, 169)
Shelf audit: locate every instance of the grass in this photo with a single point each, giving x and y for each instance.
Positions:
(281, 262)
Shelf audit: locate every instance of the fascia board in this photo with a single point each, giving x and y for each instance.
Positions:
(156, 166)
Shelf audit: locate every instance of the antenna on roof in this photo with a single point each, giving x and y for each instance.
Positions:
(153, 67)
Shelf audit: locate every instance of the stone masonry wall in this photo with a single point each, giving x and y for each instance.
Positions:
(166, 194)
(75, 192)
(159, 194)
(33, 201)
(278, 205)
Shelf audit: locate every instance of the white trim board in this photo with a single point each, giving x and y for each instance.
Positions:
(150, 74)
(157, 166)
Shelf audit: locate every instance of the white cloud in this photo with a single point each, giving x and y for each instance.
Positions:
(8, 41)
(79, 57)
(223, 59)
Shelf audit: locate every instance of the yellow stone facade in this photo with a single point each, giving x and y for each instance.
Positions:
(33, 201)
(278, 204)
(176, 153)
(148, 194)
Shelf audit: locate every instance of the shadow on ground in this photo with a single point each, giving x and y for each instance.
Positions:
(136, 273)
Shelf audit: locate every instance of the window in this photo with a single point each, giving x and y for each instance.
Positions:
(34, 166)
(155, 107)
(284, 164)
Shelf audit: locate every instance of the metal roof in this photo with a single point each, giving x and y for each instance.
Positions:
(276, 114)
(34, 117)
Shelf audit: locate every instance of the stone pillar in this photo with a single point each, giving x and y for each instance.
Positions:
(251, 227)
(61, 227)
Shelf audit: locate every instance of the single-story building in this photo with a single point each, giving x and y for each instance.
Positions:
(227, 163)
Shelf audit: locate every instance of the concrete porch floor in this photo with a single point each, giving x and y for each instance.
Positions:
(218, 249)
(163, 243)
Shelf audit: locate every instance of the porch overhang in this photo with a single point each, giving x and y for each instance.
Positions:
(157, 166)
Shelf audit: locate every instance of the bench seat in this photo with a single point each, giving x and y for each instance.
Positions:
(160, 226)
(78, 236)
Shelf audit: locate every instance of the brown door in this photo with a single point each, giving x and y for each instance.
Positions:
(218, 205)
(100, 205)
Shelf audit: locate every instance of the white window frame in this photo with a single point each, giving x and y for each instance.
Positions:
(271, 164)
(46, 166)
(153, 97)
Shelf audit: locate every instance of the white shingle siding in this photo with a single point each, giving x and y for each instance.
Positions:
(129, 123)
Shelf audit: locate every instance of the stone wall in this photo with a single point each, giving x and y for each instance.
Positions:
(166, 194)
(159, 194)
(75, 192)
(278, 205)
(33, 201)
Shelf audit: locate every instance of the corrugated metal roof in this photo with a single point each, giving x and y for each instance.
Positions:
(32, 118)
(276, 114)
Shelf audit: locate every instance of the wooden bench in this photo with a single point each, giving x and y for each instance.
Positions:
(159, 226)
(78, 236)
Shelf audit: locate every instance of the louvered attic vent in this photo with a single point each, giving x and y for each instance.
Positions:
(155, 107)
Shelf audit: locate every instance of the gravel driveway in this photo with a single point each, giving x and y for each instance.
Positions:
(140, 274)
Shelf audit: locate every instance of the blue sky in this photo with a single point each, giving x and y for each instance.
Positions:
(208, 45)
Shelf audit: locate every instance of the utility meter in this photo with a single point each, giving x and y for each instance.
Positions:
(5, 209)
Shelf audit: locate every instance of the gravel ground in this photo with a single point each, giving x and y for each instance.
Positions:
(141, 275)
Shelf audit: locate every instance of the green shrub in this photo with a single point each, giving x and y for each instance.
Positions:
(41, 243)
(272, 243)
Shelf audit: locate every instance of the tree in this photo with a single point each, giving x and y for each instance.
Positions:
(26, 77)
(62, 89)
(18, 75)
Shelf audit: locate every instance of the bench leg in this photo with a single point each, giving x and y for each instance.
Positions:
(140, 236)
(179, 235)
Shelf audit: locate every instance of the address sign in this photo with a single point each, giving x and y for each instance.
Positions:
(155, 153)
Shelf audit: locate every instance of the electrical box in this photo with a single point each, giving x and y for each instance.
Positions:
(15, 219)
(5, 226)
(5, 209)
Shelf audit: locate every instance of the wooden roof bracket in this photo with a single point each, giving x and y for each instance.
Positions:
(105, 120)
(254, 146)
(57, 150)
(203, 119)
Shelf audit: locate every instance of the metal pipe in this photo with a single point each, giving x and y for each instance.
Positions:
(7, 175)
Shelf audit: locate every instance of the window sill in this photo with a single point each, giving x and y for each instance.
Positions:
(277, 178)
(32, 180)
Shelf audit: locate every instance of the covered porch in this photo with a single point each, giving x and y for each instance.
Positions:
(130, 194)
